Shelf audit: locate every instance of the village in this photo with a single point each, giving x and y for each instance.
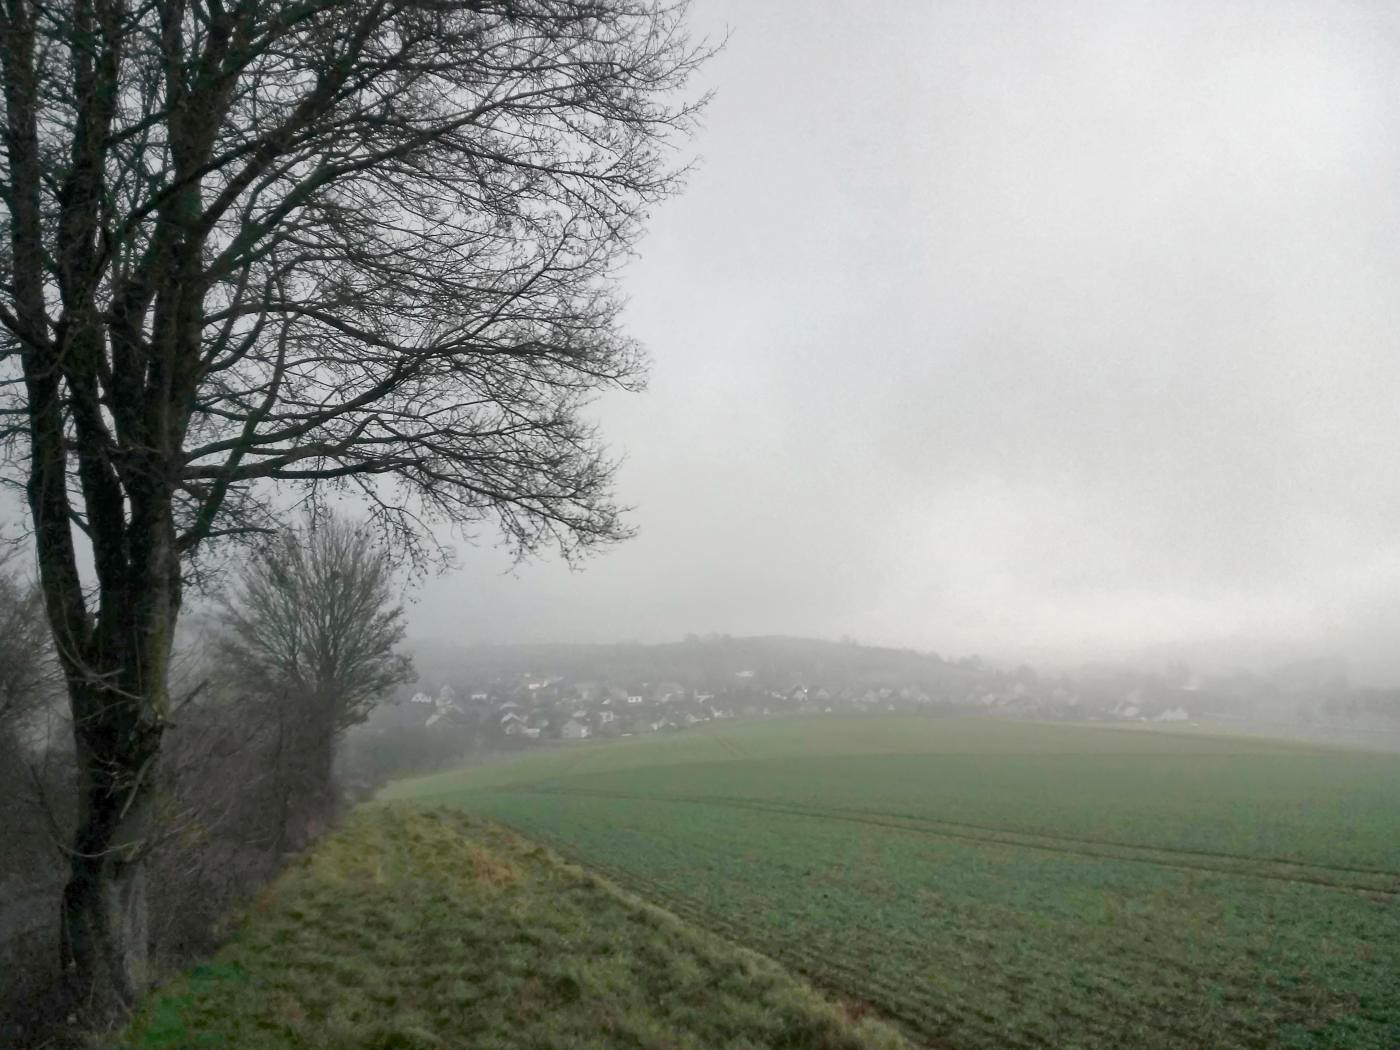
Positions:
(475, 701)
(532, 707)
(490, 698)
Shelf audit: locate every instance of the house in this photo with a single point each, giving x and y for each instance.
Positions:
(445, 706)
(420, 698)
(573, 730)
(606, 716)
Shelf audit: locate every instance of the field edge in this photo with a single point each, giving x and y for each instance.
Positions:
(331, 955)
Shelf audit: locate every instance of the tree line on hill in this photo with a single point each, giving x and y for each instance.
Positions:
(299, 647)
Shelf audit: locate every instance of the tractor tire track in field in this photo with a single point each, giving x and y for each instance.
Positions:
(933, 1019)
(730, 748)
(815, 955)
(824, 968)
(1343, 869)
(1227, 863)
(1377, 884)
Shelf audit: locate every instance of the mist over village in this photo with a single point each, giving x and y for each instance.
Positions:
(491, 693)
(688, 524)
(490, 698)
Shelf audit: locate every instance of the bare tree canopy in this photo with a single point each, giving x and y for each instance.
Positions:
(314, 615)
(310, 633)
(358, 243)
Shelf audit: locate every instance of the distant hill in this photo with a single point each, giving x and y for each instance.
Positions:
(774, 661)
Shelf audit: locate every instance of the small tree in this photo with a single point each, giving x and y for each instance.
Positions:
(310, 244)
(310, 632)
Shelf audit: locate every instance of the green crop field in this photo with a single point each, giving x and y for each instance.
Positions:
(1001, 884)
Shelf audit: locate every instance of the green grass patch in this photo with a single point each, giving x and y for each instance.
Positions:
(415, 929)
(1001, 884)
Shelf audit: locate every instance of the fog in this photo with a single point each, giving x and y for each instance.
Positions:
(1055, 331)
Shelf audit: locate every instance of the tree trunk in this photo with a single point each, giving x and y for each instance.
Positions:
(118, 691)
(104, 912)
(311, 778)
(322, 769)
(104, 919)
(105, 933)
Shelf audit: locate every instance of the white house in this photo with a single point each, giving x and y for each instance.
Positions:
(573, 730)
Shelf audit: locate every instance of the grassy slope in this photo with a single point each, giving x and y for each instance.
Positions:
(411, 929)
(1008, 884)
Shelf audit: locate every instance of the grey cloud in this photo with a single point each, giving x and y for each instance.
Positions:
(1049, 329)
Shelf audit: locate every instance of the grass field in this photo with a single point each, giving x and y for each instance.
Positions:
(1001, 884)
(417, 930)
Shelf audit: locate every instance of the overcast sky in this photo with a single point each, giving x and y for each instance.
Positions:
(1028, 329)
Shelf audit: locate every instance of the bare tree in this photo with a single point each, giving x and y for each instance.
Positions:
(29, 675)
(361, 243)
(311, 632)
